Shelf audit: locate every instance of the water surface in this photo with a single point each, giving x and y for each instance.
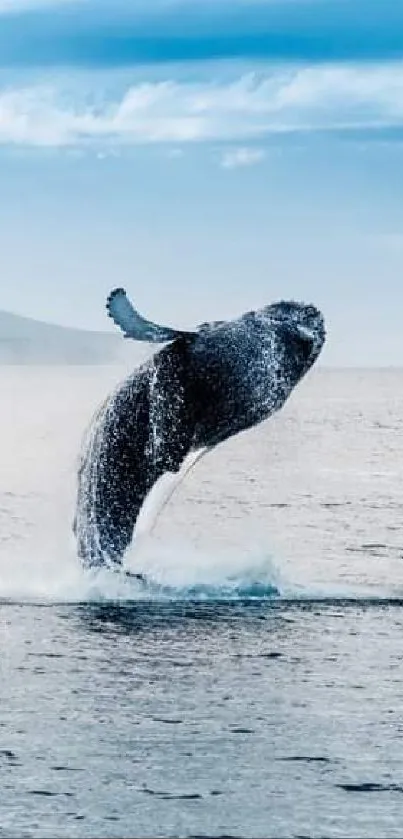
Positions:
(255, 688)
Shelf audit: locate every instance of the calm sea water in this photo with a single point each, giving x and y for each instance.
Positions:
(256, 687)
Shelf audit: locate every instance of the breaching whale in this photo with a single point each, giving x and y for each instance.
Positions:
(201, 388)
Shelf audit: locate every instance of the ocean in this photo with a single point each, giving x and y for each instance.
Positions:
(255, 687)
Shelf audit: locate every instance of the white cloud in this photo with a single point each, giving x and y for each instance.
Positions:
(253, 106)
(241, 157)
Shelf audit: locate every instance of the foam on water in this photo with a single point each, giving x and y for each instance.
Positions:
(176, 571)
(39, 564)
(47, 570)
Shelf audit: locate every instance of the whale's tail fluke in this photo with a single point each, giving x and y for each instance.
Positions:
(133, 325)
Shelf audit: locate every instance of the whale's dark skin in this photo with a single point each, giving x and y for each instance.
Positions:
(198, 390)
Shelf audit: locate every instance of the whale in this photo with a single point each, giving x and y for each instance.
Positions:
(198, 389)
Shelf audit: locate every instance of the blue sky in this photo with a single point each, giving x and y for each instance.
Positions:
(210, 156)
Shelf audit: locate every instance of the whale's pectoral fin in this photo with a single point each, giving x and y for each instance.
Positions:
(133, 325)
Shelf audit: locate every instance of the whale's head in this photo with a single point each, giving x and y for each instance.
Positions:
(301, 327)
(238, 372)
(247, 368)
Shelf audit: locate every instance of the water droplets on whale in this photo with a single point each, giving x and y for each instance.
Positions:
(199, 389)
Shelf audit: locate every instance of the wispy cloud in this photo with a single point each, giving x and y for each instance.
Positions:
(233, 158)
(110, 33)
(320, 98)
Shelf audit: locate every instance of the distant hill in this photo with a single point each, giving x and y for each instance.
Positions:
(27, 341)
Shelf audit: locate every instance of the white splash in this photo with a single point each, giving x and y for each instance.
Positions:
(161, 493)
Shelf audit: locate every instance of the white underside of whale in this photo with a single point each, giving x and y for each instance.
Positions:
(161, 492)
